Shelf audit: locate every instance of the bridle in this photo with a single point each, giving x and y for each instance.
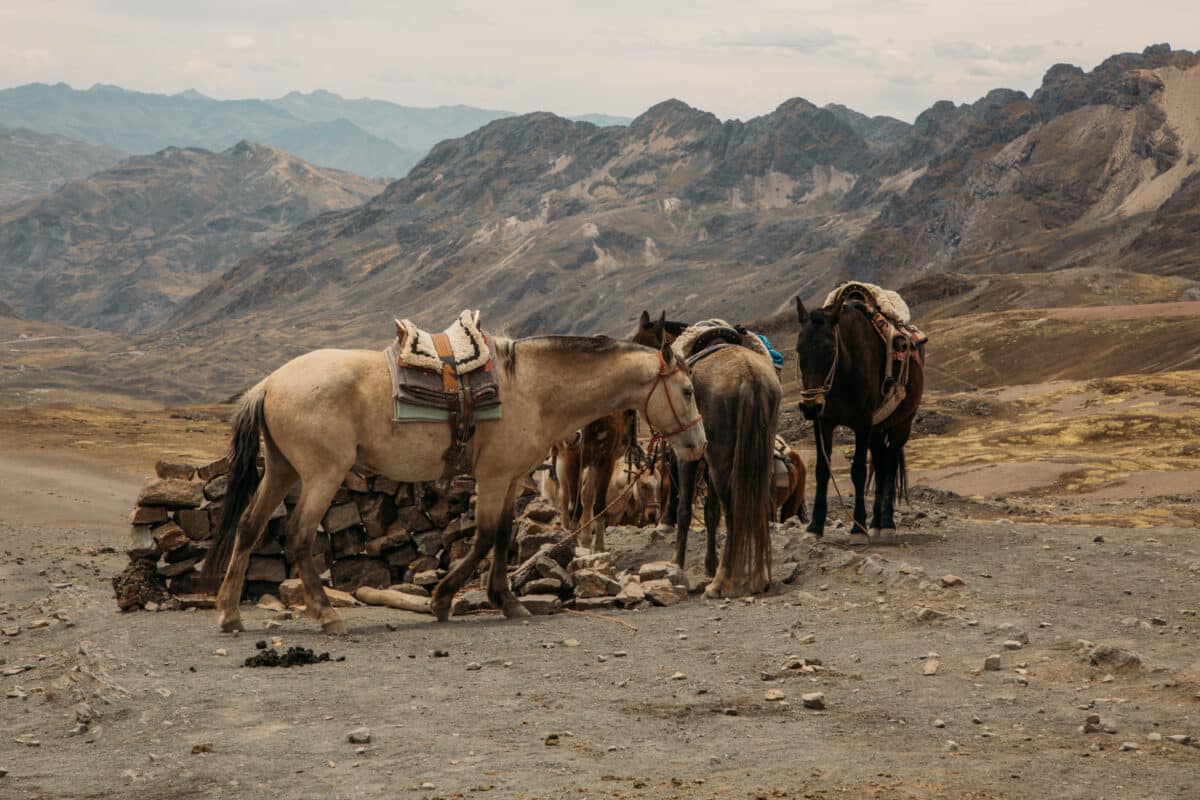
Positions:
(808, 395)
(661, 378)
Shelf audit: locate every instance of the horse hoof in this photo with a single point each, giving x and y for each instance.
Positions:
(859, 537)
(230, 624)
(334, 627)
(515, 610)
(441, 611)
(815, 529)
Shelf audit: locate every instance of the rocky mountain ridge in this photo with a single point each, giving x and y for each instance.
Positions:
(119, 249)
(33, 163)
(548, 224)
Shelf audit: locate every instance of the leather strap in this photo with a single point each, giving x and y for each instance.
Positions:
(445, 352)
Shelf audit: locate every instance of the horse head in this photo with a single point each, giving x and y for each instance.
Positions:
(657, 332)
(670, 407)
(817, 349)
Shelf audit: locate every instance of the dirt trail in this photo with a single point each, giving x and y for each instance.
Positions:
(627, 726)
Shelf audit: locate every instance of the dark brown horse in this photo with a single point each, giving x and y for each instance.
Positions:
(842, 361)
(606, 441)
(739, 394)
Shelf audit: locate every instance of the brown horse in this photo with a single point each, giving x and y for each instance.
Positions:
(738, 393)
(605, 442)
(842, 363)
(329, 411)
(789, 492)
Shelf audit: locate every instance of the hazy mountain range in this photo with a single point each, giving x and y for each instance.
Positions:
(371, 137)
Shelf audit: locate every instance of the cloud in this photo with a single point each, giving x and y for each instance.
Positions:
(971, 51)
(815, 40)
(239, 41)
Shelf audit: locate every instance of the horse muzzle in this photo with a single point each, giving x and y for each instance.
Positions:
(811, 409)
(691, 445)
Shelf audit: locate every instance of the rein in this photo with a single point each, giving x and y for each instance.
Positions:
(661, 379)
(824, 389)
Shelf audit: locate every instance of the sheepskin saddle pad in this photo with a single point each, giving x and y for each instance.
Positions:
(466, 343)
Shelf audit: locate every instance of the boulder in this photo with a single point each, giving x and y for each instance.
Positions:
(356, 483)
(547, 567)
(540, 510)
(170, 469)
(1107, 655)
(594, 603)
(291, 592)
(349, 542)
(172, 493)
(594, 583)
(195, 523)
(340, 517)
(664, 570)
(216, 488)
(213, 469)
(384, 485)
(604, 562)
(179, 568)
(266, 568)
(428, 543)
(631, 593)
(466, 602)
(413, 519)
(377, 511)
(541, 604)
(664, 593)
(543, 586)
(350, 573)
(148, 515)
(170, 537)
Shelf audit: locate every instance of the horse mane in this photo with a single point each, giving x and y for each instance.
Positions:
(507, 349)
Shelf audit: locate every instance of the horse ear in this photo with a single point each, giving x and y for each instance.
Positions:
(645, 321)
(668, 355)
(660, 327)
(801, 313)
(835, 310)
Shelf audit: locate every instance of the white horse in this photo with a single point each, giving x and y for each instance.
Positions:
(328, 411)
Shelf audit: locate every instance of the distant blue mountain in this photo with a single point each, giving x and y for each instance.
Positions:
(371, 137)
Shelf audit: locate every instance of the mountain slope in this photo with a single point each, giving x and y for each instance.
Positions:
(119, 249)
(33, 163)
(548, 224)
(342, 143)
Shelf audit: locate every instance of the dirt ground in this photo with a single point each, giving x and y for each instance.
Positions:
(100, 704)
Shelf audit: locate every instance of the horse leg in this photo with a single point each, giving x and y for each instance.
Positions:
(316, 494)
(500, 592)
(669, 492)
(586, 506)
(879, 464)
(602, 473)
(712, 521)
(895, 453)
(823, 433)
(723, 584)
(687, 491)
(489, 511)
(278, 477)
(858, 474)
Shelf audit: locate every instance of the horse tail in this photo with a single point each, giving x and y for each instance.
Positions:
(248, 424)
(750, 480)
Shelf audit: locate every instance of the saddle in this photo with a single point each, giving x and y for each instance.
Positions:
(701, 340)
(904, 342)
(447, 376)
(782, 466)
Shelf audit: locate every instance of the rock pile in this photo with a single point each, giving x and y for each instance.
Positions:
(377, 534)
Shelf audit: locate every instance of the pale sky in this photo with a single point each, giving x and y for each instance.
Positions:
(736, 59)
